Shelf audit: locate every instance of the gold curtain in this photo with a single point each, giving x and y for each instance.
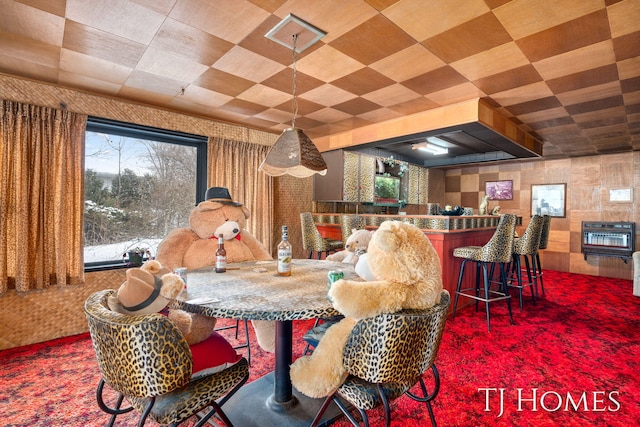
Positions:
(42, 197)
(234, 165)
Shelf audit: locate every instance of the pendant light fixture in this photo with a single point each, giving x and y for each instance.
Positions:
(293, 153)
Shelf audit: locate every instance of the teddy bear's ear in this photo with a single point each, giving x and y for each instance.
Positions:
(386, 240)
(246, 212)
(353, 230)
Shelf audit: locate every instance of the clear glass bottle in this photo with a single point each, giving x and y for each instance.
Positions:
(221, 256)
(284, 253)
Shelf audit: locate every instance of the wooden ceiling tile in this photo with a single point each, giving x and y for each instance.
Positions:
(580, 32)
(605, 90)
(408, 63)
(363, 81)
(627, 46)
(229, 20)
(600, 118)
(264, 95)
(491, 62)
(119, 17)
(168, 65)
(92, 67)
(306, 123)
(276, 115)
(28, 69)
(222, 82)
(203, 96)
(391, 95)
(244, 107)
(544, 115)
(56, 7)
(380, 115)
(248, 65)
(329, 115)
(268, 5)
(516, 77)
(543, 124)
(160, 6)
(477, 35)
(629, 68)
(304, 107)
(188, 42)
(84, 82)
(624, 17)
(575, 61)
(373, 40)
(93, 42)
(381, 4)
(455, 94)
(598, 104)
(151, 83)
(145, 96)
(522, 94)
(283, 81)
(31, 23)
(534, 105)
(423, 20)
(328, 95)
(433, 81)
(414, 106)
(328, 64)
(596, 76)
(26, 50)
(357, 106)
(525, 17)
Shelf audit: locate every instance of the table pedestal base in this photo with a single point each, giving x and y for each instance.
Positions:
(253, 405)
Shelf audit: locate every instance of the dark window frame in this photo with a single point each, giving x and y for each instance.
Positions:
(130, 130)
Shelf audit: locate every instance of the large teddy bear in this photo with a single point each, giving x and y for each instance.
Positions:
(356, 245)
(195, 247)
(150, 289)
(405, 272)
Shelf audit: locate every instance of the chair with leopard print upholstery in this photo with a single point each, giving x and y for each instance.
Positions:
(497, 251)
(146, 360)
(312, 240)
(526, 247)
(386, 356)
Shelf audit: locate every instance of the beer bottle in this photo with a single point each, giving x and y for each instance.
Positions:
(284, 253)
(221, 256)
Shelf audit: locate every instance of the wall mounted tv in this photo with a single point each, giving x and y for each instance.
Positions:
(386, 189)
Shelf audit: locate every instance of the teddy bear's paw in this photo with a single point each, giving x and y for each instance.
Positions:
(312, 378)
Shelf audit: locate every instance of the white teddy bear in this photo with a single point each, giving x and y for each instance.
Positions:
(356, 245)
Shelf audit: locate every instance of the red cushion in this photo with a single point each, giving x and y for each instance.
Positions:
(213, 354)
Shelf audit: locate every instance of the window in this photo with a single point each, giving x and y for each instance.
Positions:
(140, 183)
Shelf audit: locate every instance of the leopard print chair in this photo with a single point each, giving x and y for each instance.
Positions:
(312, 240)
(526, 247)
(386, 356)
(146, 360)
(497, 251)
(544, 242)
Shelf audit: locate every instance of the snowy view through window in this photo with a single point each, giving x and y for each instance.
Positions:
(136, 192)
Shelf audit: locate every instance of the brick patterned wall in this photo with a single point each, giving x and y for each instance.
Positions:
(588, 180)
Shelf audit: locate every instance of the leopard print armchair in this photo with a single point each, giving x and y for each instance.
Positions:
(386, 356)
(312, 240)
(146, 359)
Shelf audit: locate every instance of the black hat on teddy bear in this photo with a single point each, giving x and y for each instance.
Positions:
(220, 195)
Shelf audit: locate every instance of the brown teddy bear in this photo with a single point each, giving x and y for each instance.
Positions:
(406, 273)
(195, 247)
(150, 289)
(356, 245)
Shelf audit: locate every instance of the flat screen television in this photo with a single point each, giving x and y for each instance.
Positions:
(386, 189)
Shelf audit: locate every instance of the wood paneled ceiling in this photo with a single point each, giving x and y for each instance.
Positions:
(566, 71)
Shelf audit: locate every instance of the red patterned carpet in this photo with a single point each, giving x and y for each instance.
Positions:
(577, 352)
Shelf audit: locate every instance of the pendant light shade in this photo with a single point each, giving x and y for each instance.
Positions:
(294, 154)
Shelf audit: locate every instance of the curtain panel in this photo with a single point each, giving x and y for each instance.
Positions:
(234, 165)
(41, 197)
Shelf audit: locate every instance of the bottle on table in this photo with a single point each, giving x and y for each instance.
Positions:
(221, 256)
(284, 253)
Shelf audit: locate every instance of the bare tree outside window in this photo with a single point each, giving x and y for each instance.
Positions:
(136, 192)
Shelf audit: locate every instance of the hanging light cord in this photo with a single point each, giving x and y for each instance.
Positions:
(294, 104)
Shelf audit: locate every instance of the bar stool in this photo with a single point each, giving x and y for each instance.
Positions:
(527, 247)
(348, 223)
(498, 250)
(313, 241)
(544, 242)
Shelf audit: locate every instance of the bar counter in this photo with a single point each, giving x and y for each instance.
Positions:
(445, 233)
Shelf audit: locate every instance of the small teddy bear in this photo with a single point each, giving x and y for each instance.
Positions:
(356, 245)
(404, 271)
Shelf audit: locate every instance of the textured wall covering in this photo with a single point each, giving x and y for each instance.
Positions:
(588, 180)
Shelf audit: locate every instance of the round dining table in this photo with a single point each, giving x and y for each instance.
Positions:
(254, 291)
